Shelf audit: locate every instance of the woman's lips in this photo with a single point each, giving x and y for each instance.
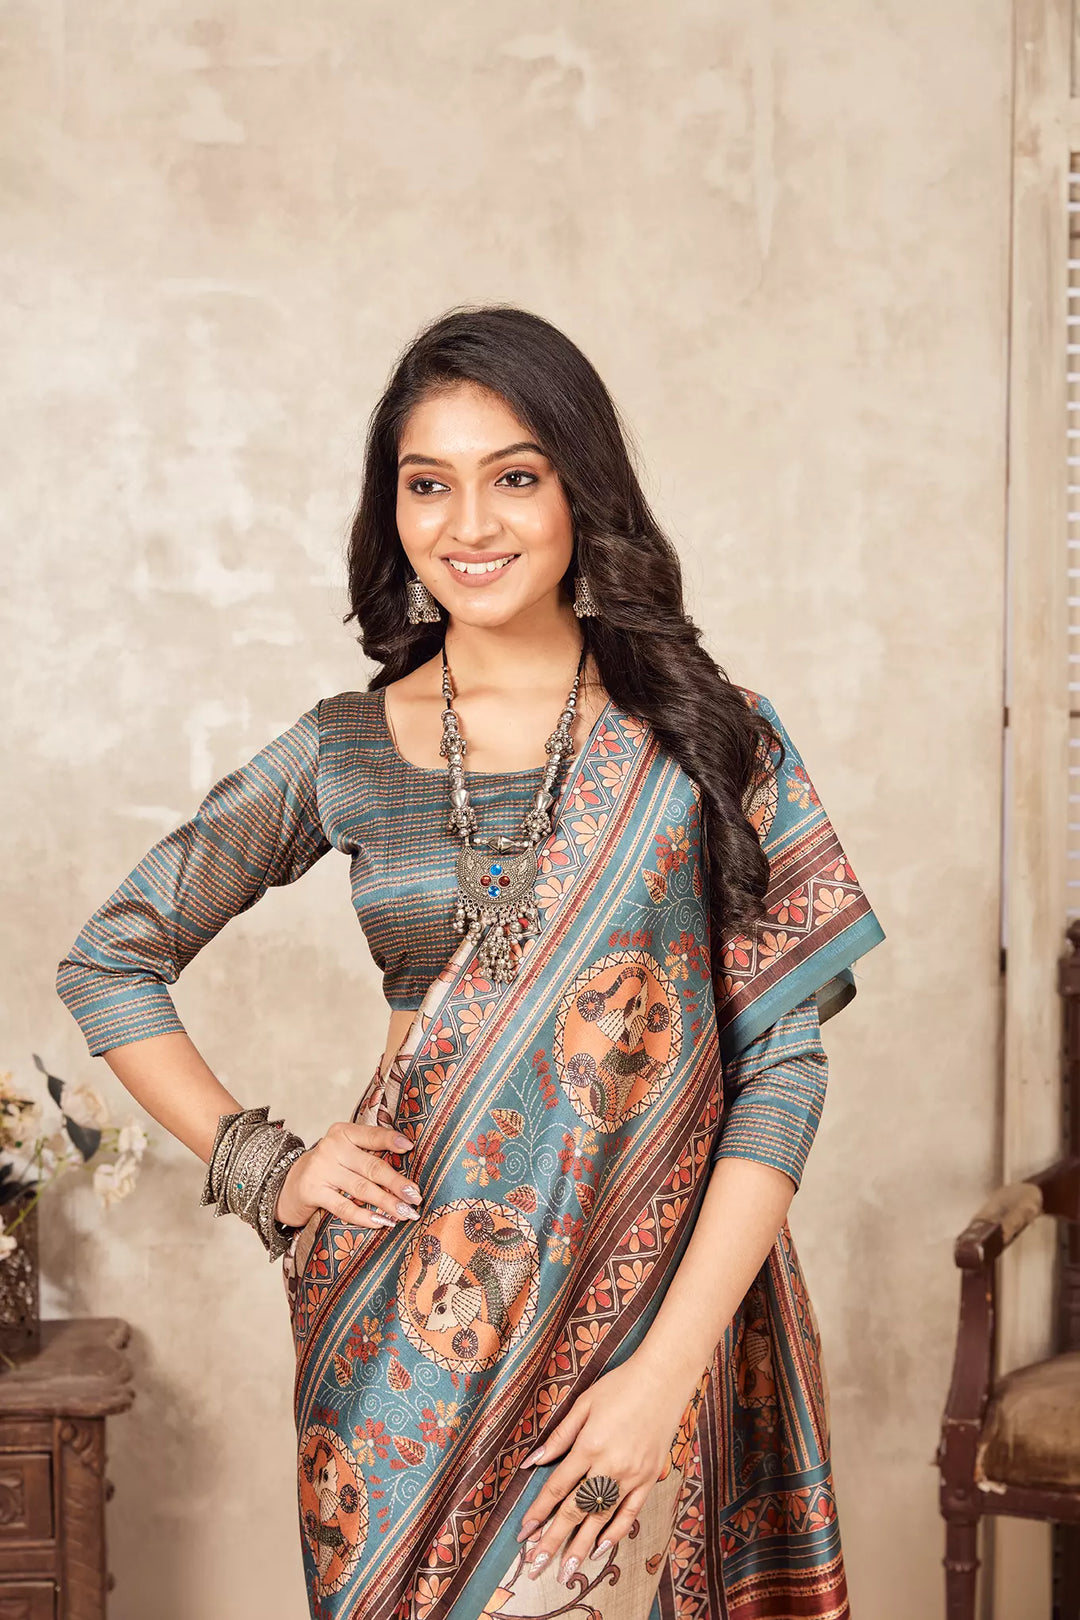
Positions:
(486, 577)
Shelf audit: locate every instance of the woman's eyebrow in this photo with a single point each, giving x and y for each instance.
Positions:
(417, 460)
(511, 450)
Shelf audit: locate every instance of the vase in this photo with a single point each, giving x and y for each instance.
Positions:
(20, 1291)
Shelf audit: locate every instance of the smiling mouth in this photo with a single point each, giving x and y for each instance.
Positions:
(493, 567)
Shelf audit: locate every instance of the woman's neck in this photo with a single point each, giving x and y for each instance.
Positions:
(516, 656)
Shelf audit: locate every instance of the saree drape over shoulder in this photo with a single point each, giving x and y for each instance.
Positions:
(565, 1128)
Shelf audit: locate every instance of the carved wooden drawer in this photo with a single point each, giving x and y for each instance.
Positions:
(28, 1600)
(25, 1498)
(53, 1488)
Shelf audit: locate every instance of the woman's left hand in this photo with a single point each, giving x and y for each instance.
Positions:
(621, 1427)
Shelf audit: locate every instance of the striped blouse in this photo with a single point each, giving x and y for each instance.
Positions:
(335, 780)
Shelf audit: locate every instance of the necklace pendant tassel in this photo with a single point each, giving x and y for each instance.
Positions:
(496, 904)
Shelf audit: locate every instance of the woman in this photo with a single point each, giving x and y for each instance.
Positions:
(554, 1352)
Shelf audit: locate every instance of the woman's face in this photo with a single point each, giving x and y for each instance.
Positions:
(481, 513)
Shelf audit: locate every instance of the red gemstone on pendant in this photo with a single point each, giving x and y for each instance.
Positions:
(504, 882)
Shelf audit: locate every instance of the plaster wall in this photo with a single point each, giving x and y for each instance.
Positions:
(780, 230)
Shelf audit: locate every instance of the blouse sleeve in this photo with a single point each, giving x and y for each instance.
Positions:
(774, 1092)
(258, 827)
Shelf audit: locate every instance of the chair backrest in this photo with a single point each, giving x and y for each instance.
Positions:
(1069, 1273)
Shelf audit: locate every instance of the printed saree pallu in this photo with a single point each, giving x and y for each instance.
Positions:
(564, 1128)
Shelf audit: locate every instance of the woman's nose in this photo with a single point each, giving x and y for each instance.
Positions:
(472, 518)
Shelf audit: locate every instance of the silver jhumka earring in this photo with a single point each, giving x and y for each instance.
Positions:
(421, 606)
(585, 604)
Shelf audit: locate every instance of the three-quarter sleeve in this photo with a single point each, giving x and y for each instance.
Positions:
(257, 827)
(774, 1092)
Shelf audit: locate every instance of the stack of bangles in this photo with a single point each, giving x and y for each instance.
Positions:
(249, 1161)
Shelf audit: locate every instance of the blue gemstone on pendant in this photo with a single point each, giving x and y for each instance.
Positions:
(493, 891)
(496, 868)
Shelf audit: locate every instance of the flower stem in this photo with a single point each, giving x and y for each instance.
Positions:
(27, 1207)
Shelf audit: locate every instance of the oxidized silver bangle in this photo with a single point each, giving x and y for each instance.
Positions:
(233, 1130)
(249, 1161)
(249, 1166)
(275, 1234)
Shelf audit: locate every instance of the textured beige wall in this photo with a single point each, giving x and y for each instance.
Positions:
(780, 231)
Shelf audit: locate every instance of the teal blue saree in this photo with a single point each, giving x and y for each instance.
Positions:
(565, 1126)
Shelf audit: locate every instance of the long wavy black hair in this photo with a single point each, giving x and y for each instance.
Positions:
(646, 648)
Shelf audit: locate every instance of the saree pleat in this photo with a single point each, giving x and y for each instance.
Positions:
(563, 1129)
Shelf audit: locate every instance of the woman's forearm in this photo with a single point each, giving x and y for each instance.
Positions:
(168, 1077)
(744, 1208)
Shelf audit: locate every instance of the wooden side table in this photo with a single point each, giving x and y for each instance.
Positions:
(53, 1488)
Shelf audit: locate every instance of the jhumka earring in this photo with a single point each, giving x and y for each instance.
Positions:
(421, 606)
(585, 604)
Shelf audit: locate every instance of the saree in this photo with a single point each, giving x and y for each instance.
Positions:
(563, 1128)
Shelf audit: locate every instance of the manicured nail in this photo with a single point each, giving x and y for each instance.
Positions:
(402, 1144)
(534, 1457)
(383, 1220)
(568, 1569)
(413, 1194)
(407, 1212)
(599, 1551)
(538, 1561)
(529, 1524)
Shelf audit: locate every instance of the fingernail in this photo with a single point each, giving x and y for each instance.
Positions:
(538, 1561)
(407, 1211)
(402, 1144)
(529, 1524)
(410, 1192)
(600, 1550)
(534, 1457)
(568, 1569)
(383, 1220)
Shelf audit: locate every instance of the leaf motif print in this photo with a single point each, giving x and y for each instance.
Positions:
(656, 883)
(343, 1370)
(509, 1121)
(409, 1450)
(586, 1197)
(523, 1198)
(398, 1377)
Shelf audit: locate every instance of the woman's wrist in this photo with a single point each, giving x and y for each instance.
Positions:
(667, 1382)
(290, 1209)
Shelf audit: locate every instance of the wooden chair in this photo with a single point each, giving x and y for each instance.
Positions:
(1011, 1445)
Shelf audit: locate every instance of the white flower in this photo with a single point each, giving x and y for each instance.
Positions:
(132, 1139)
(7, 1244)
(113, 1181)
(86, 1106)
(27, 1126)
(59, 1154)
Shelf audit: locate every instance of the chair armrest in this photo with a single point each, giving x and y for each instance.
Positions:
(1060, 1187)
(1002, 1218)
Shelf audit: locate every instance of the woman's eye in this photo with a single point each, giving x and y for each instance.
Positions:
(518, 478)
(424, 486)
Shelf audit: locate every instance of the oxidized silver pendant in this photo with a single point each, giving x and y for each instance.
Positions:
(497, 902)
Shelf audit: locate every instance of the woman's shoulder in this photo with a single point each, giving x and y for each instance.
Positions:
(349, 719)
(756, 701)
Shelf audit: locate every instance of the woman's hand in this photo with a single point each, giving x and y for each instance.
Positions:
(621, 1427)
(344, 1171)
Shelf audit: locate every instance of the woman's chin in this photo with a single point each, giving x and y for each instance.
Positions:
(480, 611)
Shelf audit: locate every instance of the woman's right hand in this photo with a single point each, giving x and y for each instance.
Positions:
(346, 1165)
